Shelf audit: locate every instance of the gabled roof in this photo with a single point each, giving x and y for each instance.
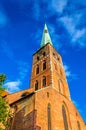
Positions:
(11, 98)
(45, 37)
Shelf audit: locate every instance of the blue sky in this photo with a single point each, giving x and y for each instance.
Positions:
(21, 27)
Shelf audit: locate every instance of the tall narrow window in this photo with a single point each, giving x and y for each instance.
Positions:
(78, 124)
(61, 86)
(49, 116)
(64, 118)
(36, 85)
(44, 65)
(37, 69)
(44, 81)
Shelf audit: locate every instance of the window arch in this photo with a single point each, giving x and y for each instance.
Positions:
(37, 69)
(44, 81)
(49, 116)
(64, 118)
(78, 124)
(36, 85)
(61, 86)
(44, 65)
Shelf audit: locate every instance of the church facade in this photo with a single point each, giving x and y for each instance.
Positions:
(46, 105)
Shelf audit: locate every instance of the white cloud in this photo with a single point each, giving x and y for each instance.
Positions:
(67, 71)
(13, 86)
(59, 5)
(70, 76)
(77, 35)
(54, 36)
(70, 22)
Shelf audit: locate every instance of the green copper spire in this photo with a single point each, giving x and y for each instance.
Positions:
(45, 37)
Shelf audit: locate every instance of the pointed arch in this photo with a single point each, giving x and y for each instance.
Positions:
(66, 117)
(49, 116)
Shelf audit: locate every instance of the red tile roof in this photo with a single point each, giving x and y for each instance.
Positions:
(11, 98)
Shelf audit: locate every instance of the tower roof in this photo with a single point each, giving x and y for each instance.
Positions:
(45, 37)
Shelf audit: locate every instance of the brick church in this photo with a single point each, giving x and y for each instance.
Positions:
(46, 105)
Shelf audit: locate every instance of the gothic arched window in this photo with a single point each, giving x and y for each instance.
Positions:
(64, 118)
(44, 81)
(78, 124)
(44, 65)
(37, 69)
(49, 116)
(36, 85)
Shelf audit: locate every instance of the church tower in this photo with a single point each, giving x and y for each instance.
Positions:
(55, 110)
(46, 105)
(47, 68)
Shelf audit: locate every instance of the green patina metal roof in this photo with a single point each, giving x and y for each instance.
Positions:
(45, 37)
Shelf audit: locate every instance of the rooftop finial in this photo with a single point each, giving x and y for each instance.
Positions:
(45, 37)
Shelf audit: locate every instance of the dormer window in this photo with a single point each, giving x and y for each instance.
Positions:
(37, 69)
(44, 65)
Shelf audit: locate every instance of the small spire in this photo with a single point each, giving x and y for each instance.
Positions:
(45, 37)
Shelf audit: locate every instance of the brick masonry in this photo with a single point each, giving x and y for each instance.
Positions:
(32, 110)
